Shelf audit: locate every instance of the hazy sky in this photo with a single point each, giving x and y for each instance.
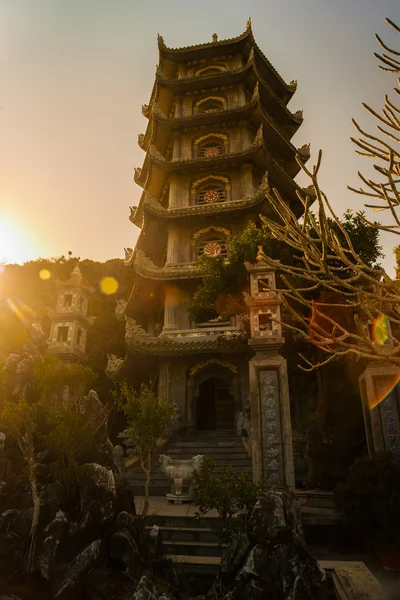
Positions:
(74, 74)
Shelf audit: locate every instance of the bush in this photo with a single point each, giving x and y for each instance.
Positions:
(229, 493)
(370, 499)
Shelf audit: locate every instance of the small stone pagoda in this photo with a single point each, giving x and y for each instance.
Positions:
(70, 321)
(218, 136)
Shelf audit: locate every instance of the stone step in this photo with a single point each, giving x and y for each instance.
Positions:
(207, 450)
(186, 534)
(193, 548)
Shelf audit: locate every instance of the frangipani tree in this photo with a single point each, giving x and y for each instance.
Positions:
(333, 296)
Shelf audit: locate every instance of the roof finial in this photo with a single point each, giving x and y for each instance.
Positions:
(215, 37)
(76, 275)
(248, 24)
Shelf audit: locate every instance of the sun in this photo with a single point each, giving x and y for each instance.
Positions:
(17, 244)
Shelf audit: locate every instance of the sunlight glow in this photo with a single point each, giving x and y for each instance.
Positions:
(108, 285)
(44, 274)
(17, 244)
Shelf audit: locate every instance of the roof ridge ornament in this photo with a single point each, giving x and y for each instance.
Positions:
(215, 38)
(160, 41)
(129, 254)
(132, 215)
(251, 56)
(305, 150)
(264, 187)
(248, 24)
(293, 85)
(298, 114)
(259, 136)
(256, 92)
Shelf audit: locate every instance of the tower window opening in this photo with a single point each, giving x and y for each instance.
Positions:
(79, 334)
(67, 300)
(264, 321)
(211, 106)
(212, 246)
(62, 333)
(211, 195)
(210, 150)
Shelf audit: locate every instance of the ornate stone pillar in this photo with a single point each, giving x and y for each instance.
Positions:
(173, 192)
(176, 147)
(244, 136)
(191, 404)
(271, 433)
(172, 246)
(247, 180)
(172, 298)
(380, 396)
(178, 107)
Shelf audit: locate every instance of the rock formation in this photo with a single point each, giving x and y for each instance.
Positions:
(270, 560)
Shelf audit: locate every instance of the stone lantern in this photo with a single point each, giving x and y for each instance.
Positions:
(271, 434)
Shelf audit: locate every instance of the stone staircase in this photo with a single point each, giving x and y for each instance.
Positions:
(225, 447)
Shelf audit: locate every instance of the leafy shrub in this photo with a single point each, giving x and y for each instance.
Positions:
(370, 499)
(230, 493)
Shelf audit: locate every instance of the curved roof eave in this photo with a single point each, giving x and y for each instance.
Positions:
(184, 52)
(193, 212)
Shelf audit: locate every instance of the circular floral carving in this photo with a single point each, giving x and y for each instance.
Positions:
(211, 196)
(212, 249)
(211, 151)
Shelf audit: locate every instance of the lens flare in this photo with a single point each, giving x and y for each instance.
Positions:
(20, 310)
(380, 329)
(383, 391)
(108, 285)
(44, 274)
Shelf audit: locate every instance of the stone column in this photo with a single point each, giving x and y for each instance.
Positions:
(241, 95)
(178, 107)
(173, 192)
(247, 180)
(380, 396)
(271, 432)
(172, 246)
(172, 297)
(244, 136)
(176, 148)
(190, 406)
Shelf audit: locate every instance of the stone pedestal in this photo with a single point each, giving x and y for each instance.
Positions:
(271, 433)
(380, 396)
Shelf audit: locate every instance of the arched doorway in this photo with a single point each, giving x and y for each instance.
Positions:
(214, 405)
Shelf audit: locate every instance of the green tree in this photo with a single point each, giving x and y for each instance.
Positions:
(148, 417)
(220, 294)
(230, 493)
(52, 389)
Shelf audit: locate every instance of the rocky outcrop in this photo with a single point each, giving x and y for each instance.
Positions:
(270, 559)
(103, 554)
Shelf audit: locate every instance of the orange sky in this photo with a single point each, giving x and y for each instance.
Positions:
(75, 74)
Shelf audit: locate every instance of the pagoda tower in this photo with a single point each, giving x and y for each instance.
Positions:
(70, 321)
(218, 137)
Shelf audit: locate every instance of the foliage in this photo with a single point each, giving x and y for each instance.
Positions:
(220, 295)
(52, 400)
(230, 493)
(24, 296)
(148, 417)
(370, 499)
(52, 376)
